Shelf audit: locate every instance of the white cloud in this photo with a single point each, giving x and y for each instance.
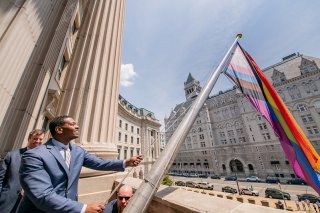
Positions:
(127, 75)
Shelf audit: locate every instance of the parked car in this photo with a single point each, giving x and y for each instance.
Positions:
(203, 176)
(191, 184)
(193, 175)
(271, 179)
(180, 183)
(249, 191)
(297, 181)
(215, 177)
(276, 193)
(229, 189)
(231, 177)
(205, 185)
(185, 175)
(312, 198)
(253, 179)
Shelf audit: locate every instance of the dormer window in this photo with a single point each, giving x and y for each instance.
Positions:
(308, 66)
(278, 77)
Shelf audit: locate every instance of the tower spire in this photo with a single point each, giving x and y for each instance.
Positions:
(192, 87)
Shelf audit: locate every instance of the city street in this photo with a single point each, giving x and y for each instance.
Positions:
(293, 190)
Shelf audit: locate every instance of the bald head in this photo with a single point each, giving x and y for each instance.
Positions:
(125, 189)
(123, 196)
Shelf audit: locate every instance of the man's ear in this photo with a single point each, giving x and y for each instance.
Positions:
(59, 129)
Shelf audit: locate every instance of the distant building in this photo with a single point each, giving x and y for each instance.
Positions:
(162, 140)
(138, 132)
(229, 136)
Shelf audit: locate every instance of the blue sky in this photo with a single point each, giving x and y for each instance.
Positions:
(165, 40)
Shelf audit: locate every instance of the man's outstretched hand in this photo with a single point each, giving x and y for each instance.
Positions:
(134, 161)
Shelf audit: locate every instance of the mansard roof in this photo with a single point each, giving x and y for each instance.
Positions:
(290, 67)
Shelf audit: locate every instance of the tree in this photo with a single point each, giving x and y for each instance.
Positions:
(167, 181)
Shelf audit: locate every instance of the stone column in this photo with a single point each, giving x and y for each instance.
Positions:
(26, 33)
(92, 83)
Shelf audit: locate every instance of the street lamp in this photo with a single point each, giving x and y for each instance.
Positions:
(284, 200)
(235, 171)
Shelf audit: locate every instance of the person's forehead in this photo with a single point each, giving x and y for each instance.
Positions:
(37, 135)
(126, 193)
(69, 120)
(125, 190)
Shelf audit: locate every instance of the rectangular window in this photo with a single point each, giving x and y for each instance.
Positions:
(266, 136)
(125, 138)
(125, 154)
(307, 118)
(131, 128)
(120, 123)
(313, 130)
(232, 140)
(222, 134)
(223, 141)
(74, 27)
(240, 131)
(126, 126)
(242, 139)
(201, 137)
(131, 153)
(138, 131)
(138, 140)
(263, 126)
(203, 144)
(230, 133)
(119, 150)
(119, 138)
(131, 139)
(61, 67)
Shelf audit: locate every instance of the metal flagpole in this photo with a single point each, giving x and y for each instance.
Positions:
(143, 196)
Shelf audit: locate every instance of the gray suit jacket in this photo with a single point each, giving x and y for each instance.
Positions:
(10, 187)
(49, 185)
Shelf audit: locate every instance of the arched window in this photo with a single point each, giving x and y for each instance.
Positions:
(302, 108)
(250, 167)
(317, 105)
(224, 167)
(236, 166)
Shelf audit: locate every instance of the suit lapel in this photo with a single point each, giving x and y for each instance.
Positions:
(73, 156)
(55, 152)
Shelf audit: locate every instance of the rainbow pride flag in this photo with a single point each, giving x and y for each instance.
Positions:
(252, 82)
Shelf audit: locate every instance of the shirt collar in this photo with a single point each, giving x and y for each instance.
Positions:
(58, 144)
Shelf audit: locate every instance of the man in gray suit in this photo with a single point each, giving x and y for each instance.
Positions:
(10, 188)
(49, 174)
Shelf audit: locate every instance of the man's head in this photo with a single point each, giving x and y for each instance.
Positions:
(35, 138)
(124, 194)
(64, 128)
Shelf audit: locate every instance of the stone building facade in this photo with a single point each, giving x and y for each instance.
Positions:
(230, 137)
(61, 57)
(138, 132)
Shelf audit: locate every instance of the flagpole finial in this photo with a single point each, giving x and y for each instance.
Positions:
(239, 35)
